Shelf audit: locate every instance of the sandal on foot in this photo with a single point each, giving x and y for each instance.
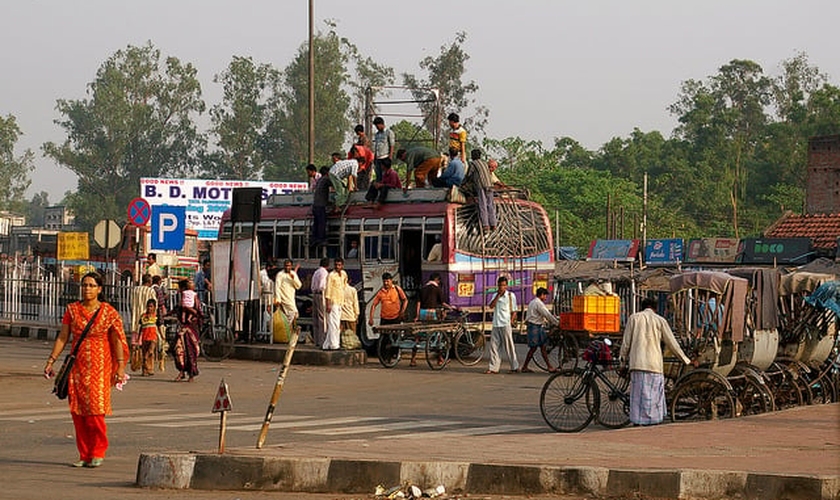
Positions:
(96, 462)
(490, 372)
(80, 463)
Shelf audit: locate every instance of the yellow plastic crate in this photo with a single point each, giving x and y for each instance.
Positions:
(596, 304)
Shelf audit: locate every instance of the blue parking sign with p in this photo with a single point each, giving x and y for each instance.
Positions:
(168, 227)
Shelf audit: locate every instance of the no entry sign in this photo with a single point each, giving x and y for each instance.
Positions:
(139, 212)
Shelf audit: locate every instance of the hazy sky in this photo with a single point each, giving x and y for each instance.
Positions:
(591, 70)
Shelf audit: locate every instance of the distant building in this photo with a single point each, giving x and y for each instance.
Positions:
(59, 218)
(9, 220)
(822, 191)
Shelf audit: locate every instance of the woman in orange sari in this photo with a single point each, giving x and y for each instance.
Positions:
(100, 364)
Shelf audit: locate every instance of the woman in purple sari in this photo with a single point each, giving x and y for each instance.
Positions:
(186, 349)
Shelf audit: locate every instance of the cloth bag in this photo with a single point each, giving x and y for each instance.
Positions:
(62, 380)
(281, 327)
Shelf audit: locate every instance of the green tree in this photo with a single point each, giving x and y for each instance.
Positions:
(446, 74)
(239, 121)
(14, 171)
(289, 124)
(137, 122)
(724, 119)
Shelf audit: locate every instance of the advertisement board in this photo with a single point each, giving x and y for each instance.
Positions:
(664, 251)
(713, 250)
(206, 199)
(776, 251)
(621, 250)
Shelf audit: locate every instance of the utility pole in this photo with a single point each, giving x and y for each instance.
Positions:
(311, 83)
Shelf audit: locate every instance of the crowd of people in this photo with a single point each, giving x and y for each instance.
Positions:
(370, 164)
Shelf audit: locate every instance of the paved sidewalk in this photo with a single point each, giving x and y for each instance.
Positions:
(791, 454)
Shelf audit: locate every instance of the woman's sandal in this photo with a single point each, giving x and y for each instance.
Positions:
(490, 372)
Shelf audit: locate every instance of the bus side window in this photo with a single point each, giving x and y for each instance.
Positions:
(371, 247)
(388, 251)
(281, 246)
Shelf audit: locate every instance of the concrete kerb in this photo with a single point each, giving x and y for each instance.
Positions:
(324, 475)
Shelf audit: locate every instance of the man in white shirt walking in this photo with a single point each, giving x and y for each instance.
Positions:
(286, 283)
(504, 315)
(535, 319)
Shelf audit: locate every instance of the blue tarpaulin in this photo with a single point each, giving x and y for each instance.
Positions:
(826, 296)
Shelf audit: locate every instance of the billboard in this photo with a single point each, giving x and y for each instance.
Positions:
(621, 250)
(206, 199)
(712, 250)
(776, 251)
(663, 252)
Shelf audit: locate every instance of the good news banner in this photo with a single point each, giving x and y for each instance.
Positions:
(206, 199)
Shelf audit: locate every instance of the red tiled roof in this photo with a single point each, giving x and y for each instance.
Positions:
(822, 229)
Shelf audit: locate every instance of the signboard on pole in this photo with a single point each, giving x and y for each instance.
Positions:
(106, 234)
(139, 212)
(244, 259)
(73, 246)
(168, 228)
(205, 200)
(663, 252)
(620, 250)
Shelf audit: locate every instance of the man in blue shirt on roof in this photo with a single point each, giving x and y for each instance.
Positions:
(454, 173)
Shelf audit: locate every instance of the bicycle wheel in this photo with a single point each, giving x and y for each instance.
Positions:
(614, 411)
(562, 351)
(217, 342)
(388, 349)
(566, 400)
(438, 345)
(469, 346)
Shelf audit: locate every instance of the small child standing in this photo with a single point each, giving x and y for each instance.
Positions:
(149, 337)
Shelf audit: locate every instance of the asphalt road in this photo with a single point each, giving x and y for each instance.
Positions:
(319, 405)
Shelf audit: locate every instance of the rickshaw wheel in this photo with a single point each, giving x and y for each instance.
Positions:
(702, 396)
(389, 349)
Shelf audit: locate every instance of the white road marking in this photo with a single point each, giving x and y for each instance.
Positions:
(473, 431)
(313, 423)
(393, 426)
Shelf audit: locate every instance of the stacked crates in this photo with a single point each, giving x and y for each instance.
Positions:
(593, 313)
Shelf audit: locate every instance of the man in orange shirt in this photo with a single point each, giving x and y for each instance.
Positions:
(393, 302)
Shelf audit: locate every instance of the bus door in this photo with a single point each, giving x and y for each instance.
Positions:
(411, 258)
(378, 256)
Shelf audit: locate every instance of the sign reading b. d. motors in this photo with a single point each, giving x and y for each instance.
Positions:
(206, 199)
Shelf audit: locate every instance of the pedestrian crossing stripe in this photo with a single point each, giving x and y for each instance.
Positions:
(337, 427)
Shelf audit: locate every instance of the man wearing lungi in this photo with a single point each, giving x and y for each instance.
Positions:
(641, 351)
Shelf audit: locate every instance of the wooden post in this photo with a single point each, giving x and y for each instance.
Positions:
(278, 388)
(222, 429)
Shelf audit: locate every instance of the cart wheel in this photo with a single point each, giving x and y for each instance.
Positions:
(389, 349)
(566, 401)
(438, 345)
(469, 346)
(786, 392)
(614, 412)
(702, 396)
(754, 397)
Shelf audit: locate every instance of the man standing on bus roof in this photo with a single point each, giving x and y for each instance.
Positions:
(378, 191)
(504, 316)
(334, 298)
(457, 136)
(341, 170)
(365, 165)
(481, 183)
(422, 161)
(318, 285)
(152, 267)
(312, 176)
(361, 137)
(383, 145)
(320, 200)
(454, 173)
(286, 283)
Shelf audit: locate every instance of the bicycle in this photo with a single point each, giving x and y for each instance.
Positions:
(562, 350)
(469, 344)
(571, 398)
(216, 340)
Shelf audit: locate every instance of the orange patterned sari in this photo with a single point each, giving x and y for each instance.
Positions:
(93, 373)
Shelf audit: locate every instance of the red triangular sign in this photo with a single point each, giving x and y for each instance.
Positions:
(222, 402)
